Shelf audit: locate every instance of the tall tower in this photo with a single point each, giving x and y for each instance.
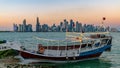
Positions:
(24, 25)
(72, 24)
(15, 27)
(37, 25)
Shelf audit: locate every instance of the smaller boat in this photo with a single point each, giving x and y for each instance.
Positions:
(6, 50)
(4, 46)
(2, 41)
(72, 49)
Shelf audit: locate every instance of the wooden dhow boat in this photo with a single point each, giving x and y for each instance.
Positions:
(72, 49)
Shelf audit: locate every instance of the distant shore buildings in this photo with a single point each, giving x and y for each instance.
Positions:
(69, 26)
(22, 27)
(114, 30)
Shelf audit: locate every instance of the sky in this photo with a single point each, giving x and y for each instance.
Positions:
(54, 11)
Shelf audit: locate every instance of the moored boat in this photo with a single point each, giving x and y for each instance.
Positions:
(69, 50)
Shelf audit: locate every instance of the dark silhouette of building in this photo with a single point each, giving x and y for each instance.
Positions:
(38, 26)
(23, 27)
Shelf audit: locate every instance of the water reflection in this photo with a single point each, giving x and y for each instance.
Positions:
(84, 64)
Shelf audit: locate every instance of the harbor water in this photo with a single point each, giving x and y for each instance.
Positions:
(107, 59)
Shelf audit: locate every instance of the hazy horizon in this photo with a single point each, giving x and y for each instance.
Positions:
(55, 11)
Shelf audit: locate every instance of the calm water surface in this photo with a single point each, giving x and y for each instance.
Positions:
(106, 60)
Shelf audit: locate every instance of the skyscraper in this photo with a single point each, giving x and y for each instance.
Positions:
(38, 27)
(24, 25)
(61, 26)
(78, 26)
(72, 24)
(66, 25)
(15, 27)
(20, 28)
(29, 28)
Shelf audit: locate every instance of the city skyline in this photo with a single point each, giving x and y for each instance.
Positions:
(63, 26)
(54, 11)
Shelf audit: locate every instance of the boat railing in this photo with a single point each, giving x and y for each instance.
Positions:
(87, 33)
(70, 38)
(65, 42)
(97, 44)
(85, 44)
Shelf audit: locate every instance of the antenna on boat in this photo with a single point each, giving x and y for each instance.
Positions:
(103, 21)
(102, 27)
(107, 28)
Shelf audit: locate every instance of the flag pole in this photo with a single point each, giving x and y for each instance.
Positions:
(103, 21)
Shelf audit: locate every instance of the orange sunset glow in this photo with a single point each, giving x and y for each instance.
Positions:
(54, 11)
